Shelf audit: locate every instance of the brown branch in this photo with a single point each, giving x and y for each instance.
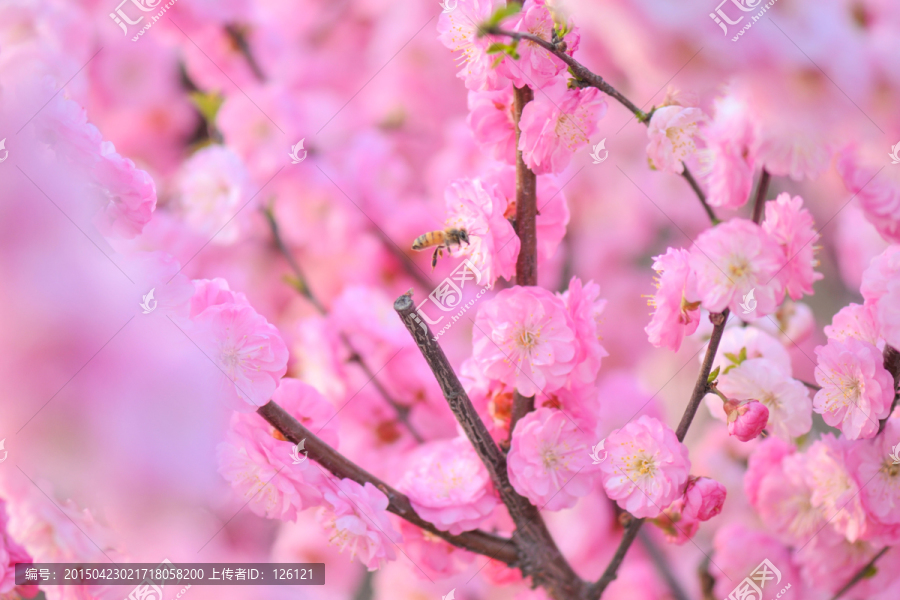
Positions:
(526, 229)
(696, 187)
(892, 364)
(540, 558)
(302, 286)
(762, 188)
(585, 75)
(237, 36)
(701, 386)
(476, 541)
(861, 573)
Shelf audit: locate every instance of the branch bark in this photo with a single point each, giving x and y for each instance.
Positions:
(586, 76)
(526, 229)
(762, 188)
(892, 364)
(398, 503)
(540, 558)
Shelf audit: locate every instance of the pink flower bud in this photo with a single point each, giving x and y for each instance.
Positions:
(746, 421)
(704, 498)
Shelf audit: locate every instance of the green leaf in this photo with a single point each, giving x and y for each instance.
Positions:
(742, 356)
(500, 14)
(732, 357)
(208, 103)
(713, 375)
(497, 47)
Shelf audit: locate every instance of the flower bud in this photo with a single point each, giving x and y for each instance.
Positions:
(746, 421)
(704, 498)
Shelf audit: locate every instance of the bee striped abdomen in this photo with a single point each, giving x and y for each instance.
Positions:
(426, 240)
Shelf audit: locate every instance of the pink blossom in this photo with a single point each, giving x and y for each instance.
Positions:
(835, 489)
(784, 498)
(536, 67)
(756, 342)
(549, 460)
(492, 122)
(704, 498)
(878, 195)
(733, 258)
(786, 399)
(558, 123)
(478, 208)
(873, 463)
(855, 321)
(457, 30)
(449, 486)
(856, 391)
(676, 302)
(671, 132)
(881, 290)
(256, 460)
(646, 468)
(11, 552)
(746, 420)
(436, 558)
(585, 307)
(677, 523)
(212, 187)
(728, 162)
(212, 292)
(791, 226)
(356, 518)
(739, 550)
(525, 338)
(246, 348)
(767, 455)
(127, 194)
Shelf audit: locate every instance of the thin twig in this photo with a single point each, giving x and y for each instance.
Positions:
(341, 467)
(541, 559)
(701, 386)
(302, 286)
(762, 188)
(585, 75)
(239, 39)
(811, 386)
(892, 364)
(860, 574)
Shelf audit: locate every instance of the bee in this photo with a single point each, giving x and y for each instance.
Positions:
(441, 239)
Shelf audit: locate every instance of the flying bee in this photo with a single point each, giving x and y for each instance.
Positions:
(441, 239)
